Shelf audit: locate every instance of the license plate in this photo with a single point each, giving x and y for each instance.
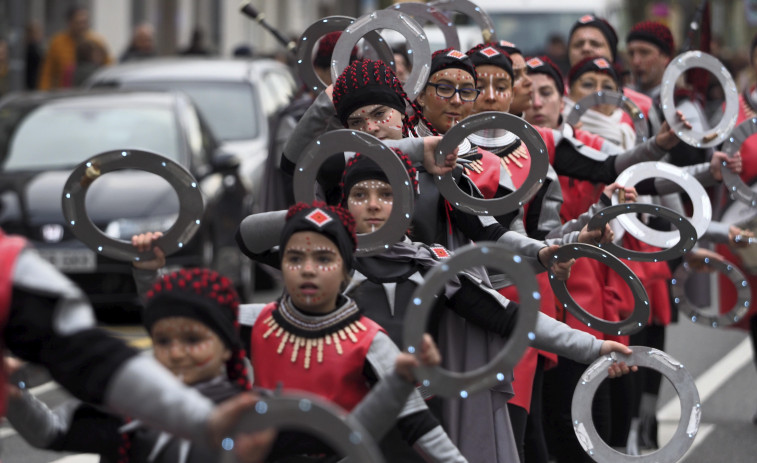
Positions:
(71, 260)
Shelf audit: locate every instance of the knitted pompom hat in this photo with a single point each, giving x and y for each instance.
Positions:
(654, 33)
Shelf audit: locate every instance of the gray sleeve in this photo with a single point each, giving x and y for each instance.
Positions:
(260, 233)
(647, 151)
(559, 338)
(436, 446)
(318, 119)
(412, 147)
(524, 246)
(378, 411)
(144, 280)
(72, 312)
(142, 388)
(35, 422)
(568, 232)
(549, 215)
(717, 232)
(381, 356)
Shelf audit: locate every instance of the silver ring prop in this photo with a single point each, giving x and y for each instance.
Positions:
(318, 29)
(686, 231)
(498, 206)
(433, 15)
(75, 211)
(491, 255)
(338, 141)
(615, 99)
(736, 187)
(418, 48)
(673, 370)
(630, 325)
(702, 213)
(735, 314)
(677, 66)
(310, 414)
(473, 11)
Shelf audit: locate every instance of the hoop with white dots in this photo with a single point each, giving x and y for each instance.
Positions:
(673, 370)
(687, 232)
(447, 383)
(618, 100)
(702, 208)
(309, 414)
(473, 11)
(681, 64)
(433, 15)
(630, 325)
(338, 141)
(737, 312)
(418, 47)
(186, 187)
(736, 187)
(537, 150)
(318, 29)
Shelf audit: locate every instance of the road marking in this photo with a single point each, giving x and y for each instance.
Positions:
(707, 384)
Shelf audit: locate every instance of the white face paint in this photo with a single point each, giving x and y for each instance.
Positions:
(370, 202)
(380, 121)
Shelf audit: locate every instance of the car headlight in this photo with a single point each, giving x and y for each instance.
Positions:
(124, 229)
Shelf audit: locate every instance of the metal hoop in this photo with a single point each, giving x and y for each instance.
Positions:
(737, 311)
(673, 370)
(615, 99)
(701, 202)
(681, 64)
(318, 29)
(511, 202)
(473, 11)
(640, 314)
(434, 16)
(308, 413)
(418, 47)
(687, 232)
(75, 211)
(491, 255)
(736, 187)
(337, 141)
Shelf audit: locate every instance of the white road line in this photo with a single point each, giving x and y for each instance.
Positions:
(707, 384)
(711, 380)
(81, 458)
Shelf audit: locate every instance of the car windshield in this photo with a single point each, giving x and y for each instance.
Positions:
(56, 136)
(227, 107)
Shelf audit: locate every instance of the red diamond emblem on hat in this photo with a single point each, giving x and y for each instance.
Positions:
(440, 252)
(318, 217)
(534, 63)
(505, 43)
(586, 19)
(456, 54)
(489, 52)
(602, 63)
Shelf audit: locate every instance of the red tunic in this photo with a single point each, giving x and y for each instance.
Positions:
(10, 247)
(338, 377)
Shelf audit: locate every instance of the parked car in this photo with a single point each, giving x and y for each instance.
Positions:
(44, 136)
(239, 99)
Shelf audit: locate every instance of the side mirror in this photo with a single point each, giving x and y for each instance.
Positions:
(224, 162)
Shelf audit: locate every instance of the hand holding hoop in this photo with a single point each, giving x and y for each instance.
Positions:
(616, 99)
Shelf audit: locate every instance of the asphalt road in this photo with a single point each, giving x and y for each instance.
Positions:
(719, 359)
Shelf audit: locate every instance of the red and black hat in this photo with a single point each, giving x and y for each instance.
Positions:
(361, 168)
(334, 222)
(544, 65)
(593, 64)
(655, 33)
(509, 47)
(603, 26)
(206, 296)
(491, 54)
(367, 82)
(451, 58)
(326, 44)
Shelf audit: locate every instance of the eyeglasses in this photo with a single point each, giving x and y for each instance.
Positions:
(448, 91)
